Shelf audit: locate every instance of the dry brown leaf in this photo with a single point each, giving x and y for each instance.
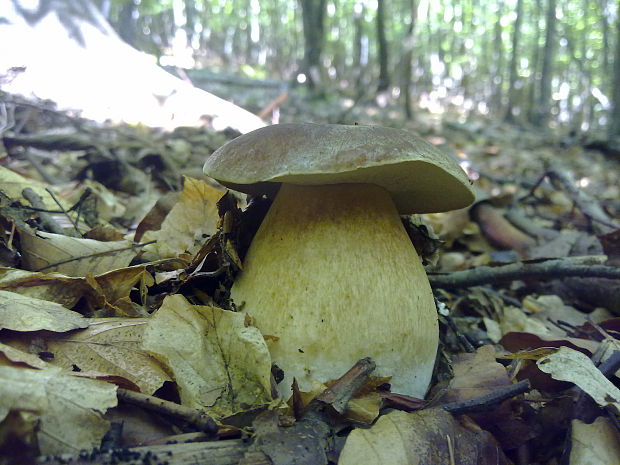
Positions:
(475, 375)
(73, 256)
(13, 184)
(594, 444)
(110, 346)
(190, 221)
(218, 361)
(69, 408)
(55, 287)
(13, 356)
(420, 438)
(573, 366)
(108, 291)
(22, 313)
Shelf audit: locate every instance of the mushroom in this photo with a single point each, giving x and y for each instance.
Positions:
(331, 276)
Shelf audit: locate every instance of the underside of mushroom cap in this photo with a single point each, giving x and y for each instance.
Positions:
(419, 177)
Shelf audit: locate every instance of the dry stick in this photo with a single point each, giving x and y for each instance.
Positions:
(601, 223)
(339, 393)
(74, 223)
(48, 223)
(487, 401)
(549, 269)
(278, 101)
(195, 417)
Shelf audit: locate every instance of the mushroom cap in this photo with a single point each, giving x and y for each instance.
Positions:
(420, 177)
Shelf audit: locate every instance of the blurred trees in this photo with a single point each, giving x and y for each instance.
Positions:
(542, 62)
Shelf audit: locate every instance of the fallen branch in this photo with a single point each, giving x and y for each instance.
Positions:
(601, 222)
(197, 418)
(548, 269)
(488, 401)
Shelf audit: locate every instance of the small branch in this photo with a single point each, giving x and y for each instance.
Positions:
(611, 365)
(548, 269)
(600, 221)
(74, 223)
(487, 401)
(47, 222)
(197, 418)
(339, 393)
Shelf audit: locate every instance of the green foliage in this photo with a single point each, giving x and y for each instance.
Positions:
(461, 48)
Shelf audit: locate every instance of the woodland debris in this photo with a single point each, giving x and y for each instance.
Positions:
(307, 441)
(547, 269)
(195, 417)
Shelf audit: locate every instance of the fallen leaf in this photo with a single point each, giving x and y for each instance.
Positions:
(109, 290)
(192, 220)
(110, 346)
(55, 287)
(73, 256)
(14, 356)
(21, 313)
(219, 363)
(13, 184)
(594, 444)
(475, 375)
(69, 408)
(573, 366)
(423, 437)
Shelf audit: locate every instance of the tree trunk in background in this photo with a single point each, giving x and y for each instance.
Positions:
(498, 60)
(384, 75)
(531, 95)
(614, 126)
(544, 103)
(512, 91)
(360, 60)
(126, 23)
(313, 13)
(606, 33)
(408, 58)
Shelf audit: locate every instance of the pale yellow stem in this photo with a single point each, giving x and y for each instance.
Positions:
(334, 277)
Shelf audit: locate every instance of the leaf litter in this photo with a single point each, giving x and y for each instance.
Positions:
(120, 279)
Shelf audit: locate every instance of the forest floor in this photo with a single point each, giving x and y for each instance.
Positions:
(119, 256)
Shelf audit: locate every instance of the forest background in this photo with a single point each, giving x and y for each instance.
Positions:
(539, 63)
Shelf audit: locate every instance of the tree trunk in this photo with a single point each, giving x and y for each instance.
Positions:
(313, 13)
(497, 68)
(535, 67)
(614, 126)
(407, 59)
(360, 60)
(512, 90)
(126, 23)
(544, 103)
(384, 75)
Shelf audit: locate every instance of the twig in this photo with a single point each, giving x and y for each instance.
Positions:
(611, 365)
(487, 401)
(461, 338)
(339, 393)
(275, 103)
(197, 418)
(74, 223)
(48, 223)
(600, 221)
(92, 255)
(548, 269)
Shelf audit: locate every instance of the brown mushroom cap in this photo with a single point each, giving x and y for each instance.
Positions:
(419, 177)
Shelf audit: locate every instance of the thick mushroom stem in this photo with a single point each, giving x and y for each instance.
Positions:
(330, 277)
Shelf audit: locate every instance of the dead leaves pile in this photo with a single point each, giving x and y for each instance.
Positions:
(109, 286)
(77, 320)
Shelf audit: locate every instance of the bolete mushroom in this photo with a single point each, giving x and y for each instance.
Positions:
(331, 275)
